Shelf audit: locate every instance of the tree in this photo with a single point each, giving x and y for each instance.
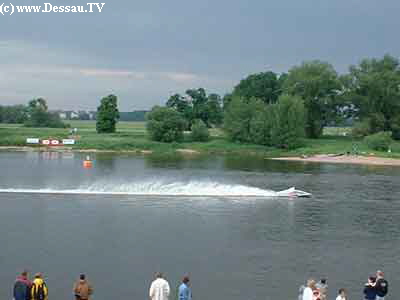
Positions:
(261, 125)
(280, 125)
(199, 131)
(239, 117)
(288, 122)
(374, 88)
(196, 104)
(264, 86)
(199, 100)
(13, 114)
(39, 116)
(183, 106)
(226, 100)
(165, 124)
(214, 109)
(107, 115)
(317, 84)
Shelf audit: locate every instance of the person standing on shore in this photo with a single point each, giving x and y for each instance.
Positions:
(22, 287)
(382, 286)
(39, 289)
(301, 291)
(322, 286)
(308, 293)
(159, 289)
(370, 289)
(82, 289)
(185, 292)
(341, 295)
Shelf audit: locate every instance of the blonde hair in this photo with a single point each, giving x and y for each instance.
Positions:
(311, 283)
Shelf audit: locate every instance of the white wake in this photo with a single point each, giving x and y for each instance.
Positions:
(191, 188)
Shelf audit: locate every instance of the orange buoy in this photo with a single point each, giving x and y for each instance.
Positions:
(87, 163)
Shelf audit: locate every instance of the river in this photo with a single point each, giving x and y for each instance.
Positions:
(214, 218)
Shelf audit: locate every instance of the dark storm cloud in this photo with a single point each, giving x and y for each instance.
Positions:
(144, 51)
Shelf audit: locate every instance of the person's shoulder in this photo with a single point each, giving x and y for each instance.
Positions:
(164, 281)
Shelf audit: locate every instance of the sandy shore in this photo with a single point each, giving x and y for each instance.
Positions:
(345, 159)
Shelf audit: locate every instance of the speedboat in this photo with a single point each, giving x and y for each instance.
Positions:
(292, 192)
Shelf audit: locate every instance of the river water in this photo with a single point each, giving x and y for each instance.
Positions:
(214, 218)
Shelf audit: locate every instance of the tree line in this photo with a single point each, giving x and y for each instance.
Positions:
(265, 108)
(280, 109)
(35, 114)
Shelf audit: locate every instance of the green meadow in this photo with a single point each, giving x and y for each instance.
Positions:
(132, 136)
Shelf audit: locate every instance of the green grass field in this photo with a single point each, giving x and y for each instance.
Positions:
(132, 136)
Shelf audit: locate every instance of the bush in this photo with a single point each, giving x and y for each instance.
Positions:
(361, 129)
(238, 118)
(395, 125)
(39, 116)
(289, 121)
(261, 126)
(199, 131)
(376, 122)
(13, 114)
(379, 141)
(281, 125)
(49, 120)
(165, 124)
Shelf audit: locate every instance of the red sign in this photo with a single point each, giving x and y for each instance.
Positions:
(51, 142)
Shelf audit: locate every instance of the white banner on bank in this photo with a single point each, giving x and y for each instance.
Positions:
(32, 141)
(68, 142)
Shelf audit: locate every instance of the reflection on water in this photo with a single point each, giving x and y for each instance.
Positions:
(233, 247)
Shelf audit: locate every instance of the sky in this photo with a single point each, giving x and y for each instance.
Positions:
(145, 51)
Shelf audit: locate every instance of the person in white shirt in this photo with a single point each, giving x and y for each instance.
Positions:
(159, 289)
(341, 295)
(308, 291)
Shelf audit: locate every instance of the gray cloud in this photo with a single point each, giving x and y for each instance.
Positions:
(145, 51)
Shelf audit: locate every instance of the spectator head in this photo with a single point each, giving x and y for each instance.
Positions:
(379, 274)
(39, 275)
(311, 283)
(159, 275)
(323, 281)
(24, 274)
(185, 279)
(82, 277)
(372, 279)
(342, 292)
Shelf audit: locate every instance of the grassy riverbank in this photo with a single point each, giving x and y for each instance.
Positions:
(132, 136)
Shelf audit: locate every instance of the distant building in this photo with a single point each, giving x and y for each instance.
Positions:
(76, 115)
(73, 115)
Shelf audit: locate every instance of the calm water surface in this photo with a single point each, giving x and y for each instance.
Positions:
(233, 247)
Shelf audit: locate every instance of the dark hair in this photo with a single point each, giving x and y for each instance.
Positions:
(24, 273)
(372, 278)
(185, 279)
(341, 291)
(323, 281)
(82, 276)
(159, 275)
